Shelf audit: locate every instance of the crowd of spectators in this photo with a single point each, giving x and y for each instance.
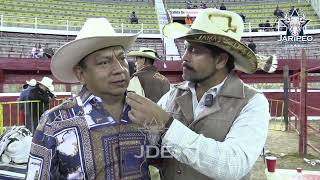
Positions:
(195, 5)
(38, 52)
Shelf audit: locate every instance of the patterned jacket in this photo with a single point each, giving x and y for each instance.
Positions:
(79, 139)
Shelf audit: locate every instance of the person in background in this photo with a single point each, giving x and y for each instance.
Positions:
(47, 51)
(154, 84)
(35, 51)
(278, 13)
(203, 5)
(188, 20)
(188, 4)
(267, 26)
(132, 67)
(24, 108)
(223, 7)
(43, 92)
(40, 49)
(291, 10)
(133, 18)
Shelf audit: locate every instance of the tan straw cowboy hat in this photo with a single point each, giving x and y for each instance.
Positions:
(218, 28)
(145, 52)
(96, 33)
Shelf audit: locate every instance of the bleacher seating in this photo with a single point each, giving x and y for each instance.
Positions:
(255, 11)
(57, 13)
(53, 14)
(19, 45)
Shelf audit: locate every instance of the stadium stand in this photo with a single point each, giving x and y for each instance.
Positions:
(19, 45)
(50, 14)
(256, 12)
(59, 15)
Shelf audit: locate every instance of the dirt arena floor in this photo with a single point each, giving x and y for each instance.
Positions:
(284, 145)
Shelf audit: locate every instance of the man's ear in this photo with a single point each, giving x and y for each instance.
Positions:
(222, 60)
(79, 72)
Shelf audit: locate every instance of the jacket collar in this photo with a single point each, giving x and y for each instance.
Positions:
(232, 87)
(147, 68)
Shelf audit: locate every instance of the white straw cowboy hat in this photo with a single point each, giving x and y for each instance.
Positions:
(145, 52)
(32, 82)
(218, 28)
(47, 82)
(96, 33)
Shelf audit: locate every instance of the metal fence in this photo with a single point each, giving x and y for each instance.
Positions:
(22, 113)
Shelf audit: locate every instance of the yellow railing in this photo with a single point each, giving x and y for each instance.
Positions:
(276, 110)
(11, 113)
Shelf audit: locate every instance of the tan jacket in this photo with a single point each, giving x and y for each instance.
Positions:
(153, 83)
(215, 123)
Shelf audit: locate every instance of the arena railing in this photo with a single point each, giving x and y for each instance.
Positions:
(70, 25)
(14, 113)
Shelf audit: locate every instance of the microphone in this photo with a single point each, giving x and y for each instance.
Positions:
(208, 101)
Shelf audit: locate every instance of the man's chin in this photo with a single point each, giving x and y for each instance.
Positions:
(186, 77)
(117, 91)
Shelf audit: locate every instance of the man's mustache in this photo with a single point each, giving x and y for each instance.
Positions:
(188, 67)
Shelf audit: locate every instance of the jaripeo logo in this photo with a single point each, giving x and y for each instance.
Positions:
(295, 24)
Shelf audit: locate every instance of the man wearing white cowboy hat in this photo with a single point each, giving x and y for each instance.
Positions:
(154, 84)
(24, 108)
(43, 92)
(90, 136)
(217, 125)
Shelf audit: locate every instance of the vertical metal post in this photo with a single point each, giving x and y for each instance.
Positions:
(1, 118)
(303, 115)
(286, 96)
(1, 21)
(122, 28)
(68, 26)
(296, 86)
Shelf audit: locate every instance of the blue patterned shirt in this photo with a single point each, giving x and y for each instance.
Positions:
(79, 139)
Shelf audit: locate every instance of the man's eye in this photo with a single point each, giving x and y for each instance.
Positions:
(191, 49)
(103, 62)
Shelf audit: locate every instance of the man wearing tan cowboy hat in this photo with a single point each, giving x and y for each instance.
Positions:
(154, 85)
(90, 136)
(42, 92)
(217, 125)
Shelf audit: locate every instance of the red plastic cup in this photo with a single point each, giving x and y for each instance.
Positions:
(271, 163)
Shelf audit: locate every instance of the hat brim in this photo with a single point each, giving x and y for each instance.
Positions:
(69, 55)
(141, 54)
(50, 87)
(244, 58)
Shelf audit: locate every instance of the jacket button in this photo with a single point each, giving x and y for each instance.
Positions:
(179, 172)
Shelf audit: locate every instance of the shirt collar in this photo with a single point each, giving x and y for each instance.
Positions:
(216, 88)
(87, 96)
